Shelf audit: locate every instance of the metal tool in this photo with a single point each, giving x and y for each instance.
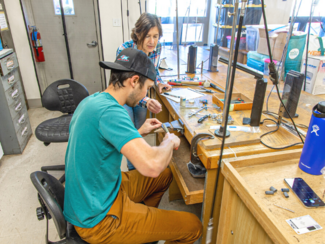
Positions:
(217, 87)
(197, 111)
(167, 131)
(284, 208)
(176, 125)
(195, 166)
(206, 90)
(203, 118)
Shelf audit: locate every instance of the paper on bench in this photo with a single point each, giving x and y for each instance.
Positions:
(185, 93)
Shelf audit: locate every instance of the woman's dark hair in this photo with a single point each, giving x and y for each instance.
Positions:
(118, 78)
(143, 25)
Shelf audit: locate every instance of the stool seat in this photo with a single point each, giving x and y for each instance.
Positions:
(54, 130)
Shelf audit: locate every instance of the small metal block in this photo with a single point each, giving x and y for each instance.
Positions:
(285, 189)
(269, 192)
(286, 194)
(273, 189)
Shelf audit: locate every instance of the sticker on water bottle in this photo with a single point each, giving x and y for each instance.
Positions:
(315, 129)
(294, 53)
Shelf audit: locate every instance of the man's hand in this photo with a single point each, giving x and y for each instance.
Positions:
(148, 126)
(154, 106)
(171, 138)
(162, 86)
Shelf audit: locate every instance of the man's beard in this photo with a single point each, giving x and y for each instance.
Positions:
(133, 99)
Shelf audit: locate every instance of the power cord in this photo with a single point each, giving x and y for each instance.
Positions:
(275, 79)
(272, 131)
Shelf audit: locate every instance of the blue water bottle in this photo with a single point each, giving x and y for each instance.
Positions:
(312, 159)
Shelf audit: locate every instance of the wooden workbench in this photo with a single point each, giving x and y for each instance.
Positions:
(195, 190)
(250, 216)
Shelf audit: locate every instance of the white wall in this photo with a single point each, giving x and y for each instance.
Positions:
(26, 65)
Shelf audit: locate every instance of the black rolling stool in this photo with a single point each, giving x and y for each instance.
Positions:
(64, 96)
(51, 197)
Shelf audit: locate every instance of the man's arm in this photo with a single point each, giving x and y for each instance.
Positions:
(150, 161)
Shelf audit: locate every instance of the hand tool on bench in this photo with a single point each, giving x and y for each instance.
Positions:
(167, 131)
(176, 125)
(195, 166)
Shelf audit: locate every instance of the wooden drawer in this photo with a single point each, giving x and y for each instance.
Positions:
(8, 64)
(11, 78)
(248, 215)
(191, 188)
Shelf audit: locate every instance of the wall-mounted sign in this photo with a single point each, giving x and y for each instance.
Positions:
(3, 21)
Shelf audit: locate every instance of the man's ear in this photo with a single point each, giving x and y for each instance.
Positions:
(134, 80)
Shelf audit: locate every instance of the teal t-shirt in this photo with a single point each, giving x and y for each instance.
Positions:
(99, 128)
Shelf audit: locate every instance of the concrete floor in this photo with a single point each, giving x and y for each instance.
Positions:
(18, 197)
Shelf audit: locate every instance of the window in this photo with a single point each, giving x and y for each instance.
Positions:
(67, 6)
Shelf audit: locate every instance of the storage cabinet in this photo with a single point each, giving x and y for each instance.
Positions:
(15, 128)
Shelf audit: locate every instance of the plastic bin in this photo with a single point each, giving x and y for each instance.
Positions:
(258, 65)
(242, 42)
(266, 66)
(257, 56)
(252, 38)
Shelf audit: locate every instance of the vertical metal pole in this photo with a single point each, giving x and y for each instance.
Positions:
(66, 39)
(177, 39)
(231, 50)
(313, 3)
(288, 39)
(219, 15)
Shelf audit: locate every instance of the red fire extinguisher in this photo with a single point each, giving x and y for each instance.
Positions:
(37, 45)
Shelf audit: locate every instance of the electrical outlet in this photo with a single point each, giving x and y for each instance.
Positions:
(116, 22)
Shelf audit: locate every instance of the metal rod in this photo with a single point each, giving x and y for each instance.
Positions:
(218, 23)
(122, 21)
(140, 7)
(231, 50)
(128, 17)
(177, 40)
(284, 54)
(313, 2)
(66, 39)
(226, 108)
(284, 208)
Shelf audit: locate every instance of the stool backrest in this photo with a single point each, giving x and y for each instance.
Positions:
(64, 95)
(51, 193)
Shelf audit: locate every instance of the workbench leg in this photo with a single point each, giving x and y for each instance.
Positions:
(174, 192)
(209, 189)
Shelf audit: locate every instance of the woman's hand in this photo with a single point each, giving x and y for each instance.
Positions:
(162, 86)
(154, 106)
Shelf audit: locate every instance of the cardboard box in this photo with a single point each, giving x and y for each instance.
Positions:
(262, 43)
(315, 83)
(277, 43)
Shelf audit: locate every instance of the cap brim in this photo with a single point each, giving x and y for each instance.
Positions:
(114, 66)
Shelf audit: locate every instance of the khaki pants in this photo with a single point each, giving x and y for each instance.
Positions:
(129, 221)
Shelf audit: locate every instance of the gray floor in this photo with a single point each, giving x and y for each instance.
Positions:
(18, 198)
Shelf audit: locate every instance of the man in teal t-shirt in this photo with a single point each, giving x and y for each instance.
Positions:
(103, 203)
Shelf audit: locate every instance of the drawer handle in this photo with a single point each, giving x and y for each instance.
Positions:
(11, 79)
(22, 119)
(15, 94)
(19, 107)
(10, 64)
(24, 132)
